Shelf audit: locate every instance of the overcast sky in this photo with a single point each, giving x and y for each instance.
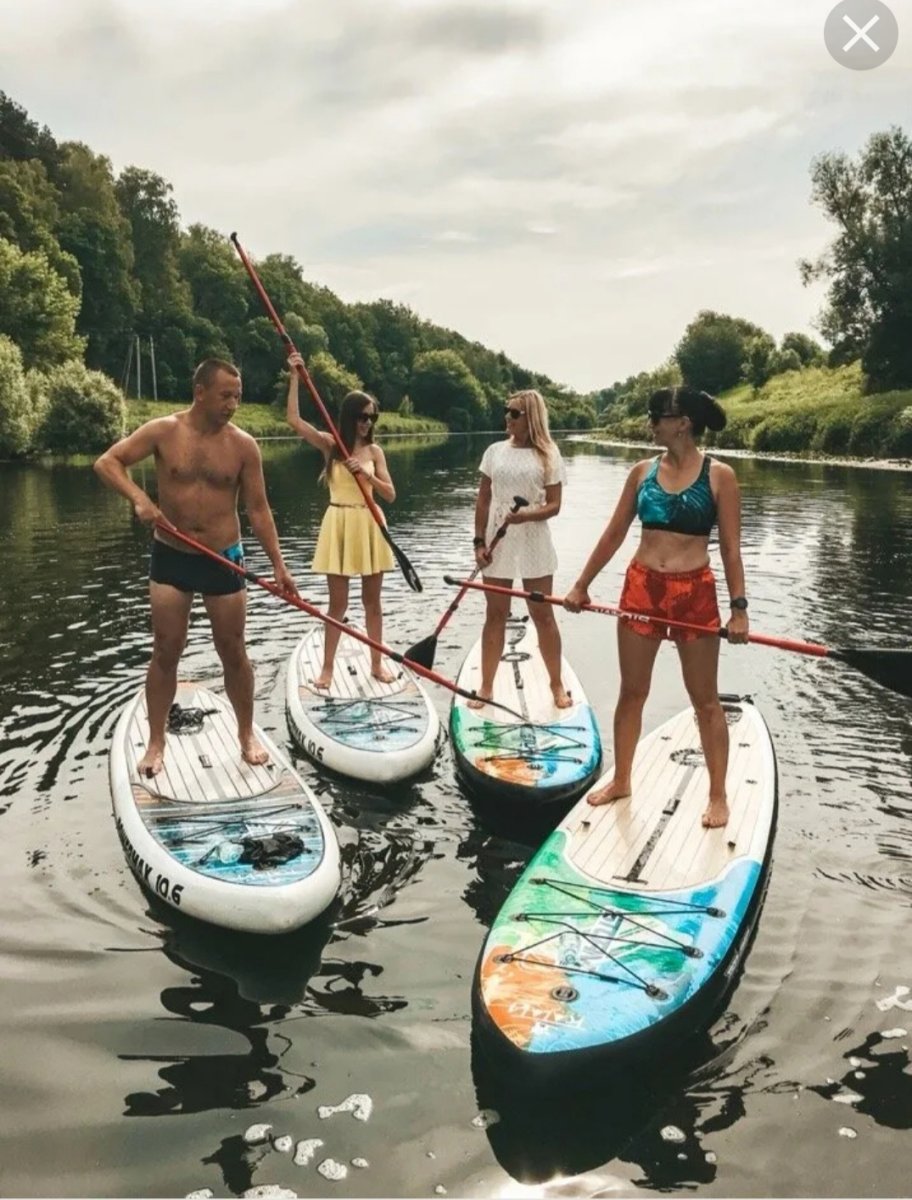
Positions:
(569, 181)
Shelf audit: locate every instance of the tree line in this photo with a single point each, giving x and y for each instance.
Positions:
(90, 260)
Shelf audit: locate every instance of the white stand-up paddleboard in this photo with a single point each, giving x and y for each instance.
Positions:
(358, 726)
(245, 847)
(545, 755)
(628, 925)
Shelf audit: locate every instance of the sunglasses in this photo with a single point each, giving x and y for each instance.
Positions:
(372, 417)
(655, 417)
(514, 413)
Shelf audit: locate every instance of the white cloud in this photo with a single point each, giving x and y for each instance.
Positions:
(567, 183)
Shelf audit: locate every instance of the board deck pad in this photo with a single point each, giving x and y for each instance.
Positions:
(629, 909)
(207, 800)
(551, 752)
(358, 719)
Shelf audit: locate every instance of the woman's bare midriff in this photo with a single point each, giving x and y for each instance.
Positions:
(660, 550)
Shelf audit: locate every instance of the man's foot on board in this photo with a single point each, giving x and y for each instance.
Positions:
(151, 763)
(382, 674)
(716, 814)
(481, 699)
(252, 752)
(562, 698)
(611, 791)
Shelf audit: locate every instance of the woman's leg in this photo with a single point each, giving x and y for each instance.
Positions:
(373, 619)
(636, 657)
(492, 639)
(338, 607)
(700, 664)
(549, 638)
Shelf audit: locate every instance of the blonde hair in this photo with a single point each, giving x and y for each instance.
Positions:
(539, 430)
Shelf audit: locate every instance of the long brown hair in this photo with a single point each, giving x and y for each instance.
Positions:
(350, 409)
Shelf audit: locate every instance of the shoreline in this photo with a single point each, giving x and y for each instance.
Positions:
(874, 464)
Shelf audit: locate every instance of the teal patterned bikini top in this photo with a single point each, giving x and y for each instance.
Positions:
(692, 511)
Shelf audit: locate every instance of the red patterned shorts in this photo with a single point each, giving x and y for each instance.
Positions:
(675, 595)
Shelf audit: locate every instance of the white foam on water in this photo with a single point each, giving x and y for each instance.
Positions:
(305, 1150)
(330, 1169)
(854, 1062)
(671, 1133)
(859, 1074)
(358, 1104)
(847, 1098)
(283, 1144)
(486, 1118)
(711, 1158)
(202, 1194)
(896, 1000)
(845, 1131)
(440, 1190)
(361, 1163)
(270, 1191)
(256, 1134)
(894, 1033)
(682, 1157)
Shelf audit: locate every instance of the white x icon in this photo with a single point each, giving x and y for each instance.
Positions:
(860, 34)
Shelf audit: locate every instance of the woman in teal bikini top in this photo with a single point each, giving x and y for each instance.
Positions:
(670, 580)
(692, 511)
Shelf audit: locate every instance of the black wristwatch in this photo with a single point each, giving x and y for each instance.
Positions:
(739, 602)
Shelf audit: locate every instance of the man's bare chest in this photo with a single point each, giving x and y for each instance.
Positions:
(188, 463)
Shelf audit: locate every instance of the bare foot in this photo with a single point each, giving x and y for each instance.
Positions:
(324, 679)
(152, 762)
(611, 791)
(382, 674)
(481, 699)
(252, 752)
(716, 814)
(562, 698)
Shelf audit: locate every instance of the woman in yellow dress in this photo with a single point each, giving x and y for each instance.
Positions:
(350, 541)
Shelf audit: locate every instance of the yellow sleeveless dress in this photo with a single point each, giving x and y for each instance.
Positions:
(350, 541)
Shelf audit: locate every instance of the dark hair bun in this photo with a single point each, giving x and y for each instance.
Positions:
(713, 414)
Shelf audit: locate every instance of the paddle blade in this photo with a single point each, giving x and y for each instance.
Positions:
(423, 652)
(890, 668)
(411, 575)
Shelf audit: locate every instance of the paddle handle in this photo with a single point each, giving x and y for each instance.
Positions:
(518, 503)
(305, 376)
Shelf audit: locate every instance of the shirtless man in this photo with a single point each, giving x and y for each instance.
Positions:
(203, 464)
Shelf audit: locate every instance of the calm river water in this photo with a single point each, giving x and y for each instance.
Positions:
(136, 1048)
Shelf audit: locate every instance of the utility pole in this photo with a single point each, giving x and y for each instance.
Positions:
(138, 368)
(154, 377)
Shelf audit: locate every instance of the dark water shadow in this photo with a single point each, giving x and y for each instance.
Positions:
(652, 1114)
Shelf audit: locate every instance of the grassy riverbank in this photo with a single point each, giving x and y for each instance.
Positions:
(820, 411)
(262, 421)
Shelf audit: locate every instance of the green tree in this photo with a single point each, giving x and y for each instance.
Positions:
(809, 352)
(869, 264)
(760, 361)
(332, 381)
(15, 409)
(95, 232)
(713, 350)
(21, 138)
(441, 381)
(147, 203)
(218, 284)
(85, 411)
(37, 309)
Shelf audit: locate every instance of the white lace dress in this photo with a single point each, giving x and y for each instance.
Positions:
(526, 551)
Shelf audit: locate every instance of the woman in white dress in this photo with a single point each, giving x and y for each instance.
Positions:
(527, 464)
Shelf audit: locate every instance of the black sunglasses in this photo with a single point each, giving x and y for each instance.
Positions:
(514, 413)
(655, 417)
(372, 417)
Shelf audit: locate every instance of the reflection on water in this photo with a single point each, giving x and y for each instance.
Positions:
(115, 1008)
